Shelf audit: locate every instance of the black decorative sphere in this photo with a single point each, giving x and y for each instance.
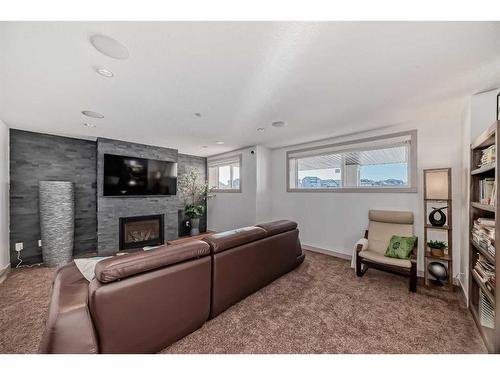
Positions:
(438, 271)
(437, 217)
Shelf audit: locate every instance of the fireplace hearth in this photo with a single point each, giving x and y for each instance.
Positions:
(140, 231)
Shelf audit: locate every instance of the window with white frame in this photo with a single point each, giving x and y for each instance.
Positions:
(372, 164)
(224, 174)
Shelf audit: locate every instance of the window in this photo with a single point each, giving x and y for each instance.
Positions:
(385, 163)
(224, 174)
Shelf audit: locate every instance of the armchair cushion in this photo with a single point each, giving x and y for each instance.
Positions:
(380, 258)
(380, 233)
(400, 247)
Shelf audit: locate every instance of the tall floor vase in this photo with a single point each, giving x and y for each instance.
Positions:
(57, 212)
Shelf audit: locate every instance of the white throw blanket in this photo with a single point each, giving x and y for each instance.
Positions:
(87, 266)
(364, 243)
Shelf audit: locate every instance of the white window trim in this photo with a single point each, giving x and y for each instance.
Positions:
(221, 160)
(412, 166)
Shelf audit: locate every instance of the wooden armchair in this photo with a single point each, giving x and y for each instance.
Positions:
(370, 251)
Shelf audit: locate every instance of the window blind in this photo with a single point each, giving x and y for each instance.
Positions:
(225, 161)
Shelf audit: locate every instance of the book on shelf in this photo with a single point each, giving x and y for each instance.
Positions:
(485, 272)
(488, 156)
(487, 190)
(486, 221)
(483, 234)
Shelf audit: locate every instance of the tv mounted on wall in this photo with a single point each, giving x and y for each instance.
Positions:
(131, 176)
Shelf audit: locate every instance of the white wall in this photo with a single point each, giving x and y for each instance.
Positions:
(335, 221)
(264, 187)
(4, 197)
(483, 112)
(253, 205)
(235, 210)
(464, 239)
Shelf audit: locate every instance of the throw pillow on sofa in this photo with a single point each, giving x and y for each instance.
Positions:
(400, 247)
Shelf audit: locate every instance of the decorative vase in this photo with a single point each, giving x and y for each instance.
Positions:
(437, 217)
(438, 271)
(194, 223)
(57, 227)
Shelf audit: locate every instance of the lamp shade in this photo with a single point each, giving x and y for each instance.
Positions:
(436, 184)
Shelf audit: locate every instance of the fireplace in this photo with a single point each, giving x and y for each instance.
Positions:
(140, 231)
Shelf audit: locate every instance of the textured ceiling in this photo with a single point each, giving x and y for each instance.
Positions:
(323, 79)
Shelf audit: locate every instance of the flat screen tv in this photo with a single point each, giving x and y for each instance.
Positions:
(130, 176)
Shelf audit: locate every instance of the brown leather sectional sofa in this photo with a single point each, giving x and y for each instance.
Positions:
(143, 302)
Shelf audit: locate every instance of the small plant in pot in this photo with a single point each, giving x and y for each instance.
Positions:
(194, 212)
(194, 191)
(437, 248)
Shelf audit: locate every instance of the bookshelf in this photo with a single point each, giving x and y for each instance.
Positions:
(439, 198)
(483, 263)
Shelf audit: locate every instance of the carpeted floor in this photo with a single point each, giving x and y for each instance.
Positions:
(321, 307)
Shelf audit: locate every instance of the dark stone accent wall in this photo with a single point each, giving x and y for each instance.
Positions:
(110, 209)
(35, 157)
(187, 162)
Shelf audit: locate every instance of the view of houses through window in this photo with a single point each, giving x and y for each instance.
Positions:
(383, 164)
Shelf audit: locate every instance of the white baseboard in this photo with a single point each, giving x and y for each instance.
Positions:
(3, 273)
(464, 293)
(327, 252)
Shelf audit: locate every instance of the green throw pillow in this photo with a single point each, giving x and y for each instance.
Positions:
(400, 247)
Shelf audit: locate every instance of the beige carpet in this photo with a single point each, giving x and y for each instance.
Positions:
(321, 307)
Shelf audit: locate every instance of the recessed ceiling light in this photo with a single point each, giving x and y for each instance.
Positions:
(219, 142)
(197, 114)
(109, 47)
(260, 129)
(278, 124)
(92, 114)
(104, 72)
(88, 125)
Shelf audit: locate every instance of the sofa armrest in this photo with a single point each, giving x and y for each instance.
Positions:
(69, 328)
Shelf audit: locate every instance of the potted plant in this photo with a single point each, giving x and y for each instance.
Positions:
(437, 248)
(194, 212)
(194, 192)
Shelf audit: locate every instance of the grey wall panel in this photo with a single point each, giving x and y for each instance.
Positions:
(110, 209)
(35, 157)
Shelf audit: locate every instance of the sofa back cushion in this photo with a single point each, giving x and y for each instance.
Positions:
(146, 312)
(385, 224)
(233, 238)
(279, 226)
(120, 267)
(242, 270)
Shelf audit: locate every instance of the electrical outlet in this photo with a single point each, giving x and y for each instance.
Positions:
(39, 243)
(19, 246)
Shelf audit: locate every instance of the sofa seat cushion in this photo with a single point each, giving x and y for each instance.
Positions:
(376, 257)
(279, 226)
(120, 267)
(232, 238)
